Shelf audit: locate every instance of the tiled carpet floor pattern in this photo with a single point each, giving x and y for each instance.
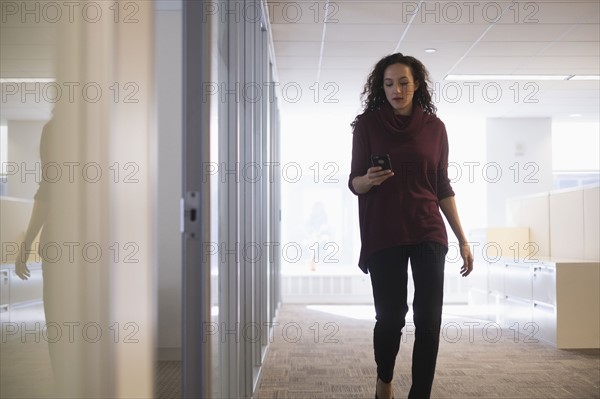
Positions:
(315, 354)
(477, 363)
(320, 355)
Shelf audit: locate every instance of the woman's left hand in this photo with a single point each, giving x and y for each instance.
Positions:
(465, 253)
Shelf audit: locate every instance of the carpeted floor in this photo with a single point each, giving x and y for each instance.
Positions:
(473, 362)
(317, 353)
(168, 381)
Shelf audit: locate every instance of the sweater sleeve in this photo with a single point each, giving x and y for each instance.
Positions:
(360, 155)
(444, 189)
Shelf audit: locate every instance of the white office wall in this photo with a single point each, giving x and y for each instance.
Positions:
(591, 223)
(576, 147)
(519, 161)
(23, 153)
(467, 144)
(168, 85)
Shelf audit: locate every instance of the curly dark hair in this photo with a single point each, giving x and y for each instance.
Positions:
(375, 94)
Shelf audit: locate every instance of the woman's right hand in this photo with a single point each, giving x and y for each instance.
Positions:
(375, 176)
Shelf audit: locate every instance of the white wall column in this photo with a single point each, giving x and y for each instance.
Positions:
(109, 131)
(519, 161)
(168, 86)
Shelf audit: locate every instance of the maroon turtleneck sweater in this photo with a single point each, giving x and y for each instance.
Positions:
(404, 209)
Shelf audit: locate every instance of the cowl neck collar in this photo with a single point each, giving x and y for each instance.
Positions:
(399, 126)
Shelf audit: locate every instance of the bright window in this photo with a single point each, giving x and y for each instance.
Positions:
(575, 154)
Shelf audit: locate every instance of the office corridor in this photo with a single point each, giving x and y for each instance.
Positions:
(192, 160)
(325, 352)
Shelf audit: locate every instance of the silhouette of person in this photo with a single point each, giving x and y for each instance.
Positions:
(50, 214)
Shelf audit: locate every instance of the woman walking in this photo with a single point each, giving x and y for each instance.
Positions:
(399, 213)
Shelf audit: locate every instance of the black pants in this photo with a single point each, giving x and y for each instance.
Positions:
(389, 277)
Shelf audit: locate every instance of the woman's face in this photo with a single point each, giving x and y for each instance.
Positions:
(399, 87)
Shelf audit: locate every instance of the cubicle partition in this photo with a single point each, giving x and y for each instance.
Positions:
(542, 277)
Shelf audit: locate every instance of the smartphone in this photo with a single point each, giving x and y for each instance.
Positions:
(382, 160)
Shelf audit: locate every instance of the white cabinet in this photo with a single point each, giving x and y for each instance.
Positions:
(478, 291)
(4, 295)
(544, 319)
(18, 295)
(517, 313)
(559, 298)
(510, 293)
(517, 292)
(562, 223)
(544, 284)
(577, 304)
(496, 277)
(24, 292)
(517, 280)
(567, 224)
(591, 223)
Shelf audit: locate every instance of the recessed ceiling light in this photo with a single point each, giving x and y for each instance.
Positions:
(430, 50)
(575, 115)
(507, 77)
(585, 77)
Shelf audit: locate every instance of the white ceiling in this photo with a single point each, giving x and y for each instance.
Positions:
(530, 38)
(541, 37)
